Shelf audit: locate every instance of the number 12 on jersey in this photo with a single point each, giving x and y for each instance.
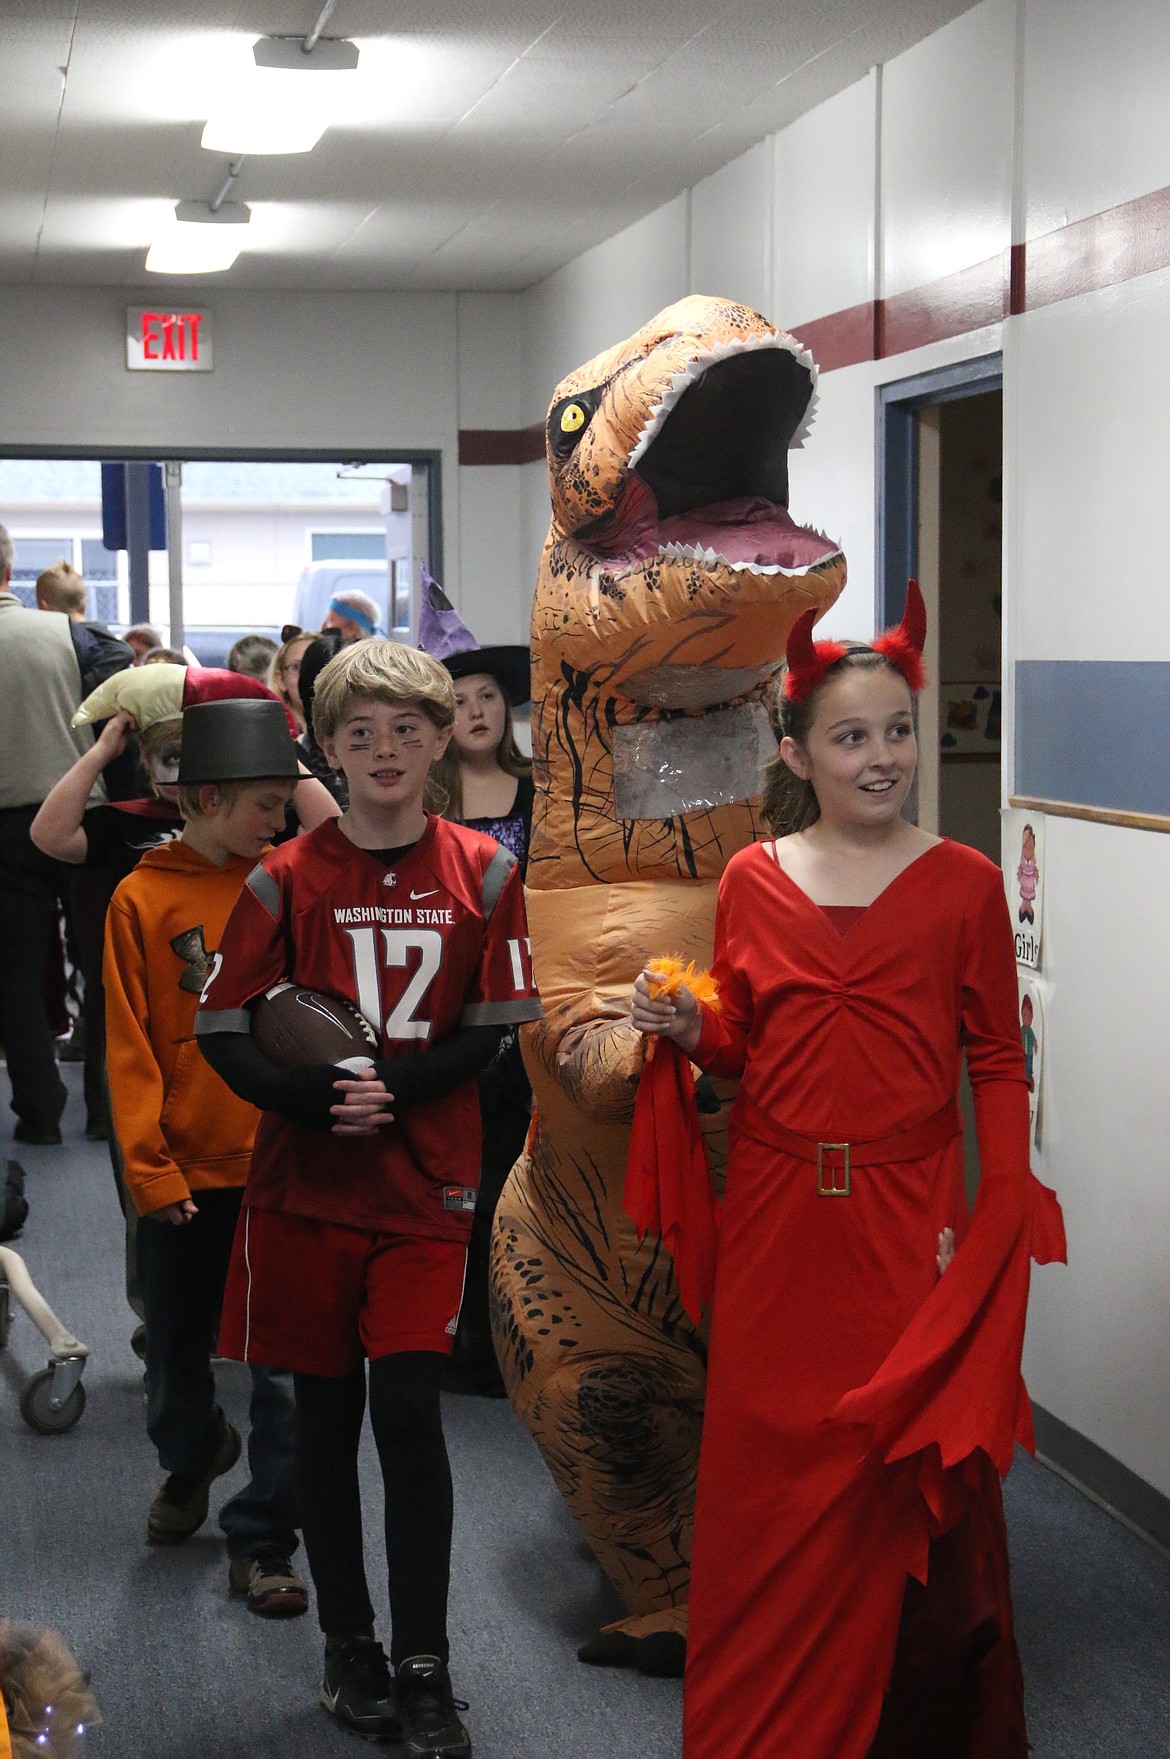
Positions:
(397, 946)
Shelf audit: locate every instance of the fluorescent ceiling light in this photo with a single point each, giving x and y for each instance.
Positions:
(197, 241)
(285, 101)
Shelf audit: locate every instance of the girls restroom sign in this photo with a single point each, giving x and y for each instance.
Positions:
(1023, 873)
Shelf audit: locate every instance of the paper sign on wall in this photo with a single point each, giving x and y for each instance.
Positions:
(1023, 874)
(1032, 1036)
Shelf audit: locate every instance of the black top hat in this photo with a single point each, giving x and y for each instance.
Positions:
(511, 667)
(240, 740)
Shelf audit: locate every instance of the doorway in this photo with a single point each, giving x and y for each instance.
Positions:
(940, 500)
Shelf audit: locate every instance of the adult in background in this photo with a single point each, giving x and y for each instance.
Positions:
(488, 784)
(46, 662)
(353, 614)
(84, 895)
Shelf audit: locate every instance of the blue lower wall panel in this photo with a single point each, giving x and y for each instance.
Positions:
(1094, 733)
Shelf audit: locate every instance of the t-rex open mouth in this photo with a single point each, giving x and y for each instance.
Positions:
(708, 476)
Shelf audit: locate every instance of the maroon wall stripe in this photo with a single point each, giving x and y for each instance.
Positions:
(842, 339)
(1117, 245)
(948, 307)
(501, 445)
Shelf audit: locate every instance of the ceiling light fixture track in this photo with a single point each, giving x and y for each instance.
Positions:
(234, 169)
(326, 13)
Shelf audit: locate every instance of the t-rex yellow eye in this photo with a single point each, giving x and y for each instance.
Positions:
(568, 419)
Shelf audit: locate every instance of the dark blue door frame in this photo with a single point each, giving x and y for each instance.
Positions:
(897, 468)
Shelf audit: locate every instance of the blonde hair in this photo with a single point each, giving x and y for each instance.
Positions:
(190, 805)
(61, 588)
(388, 672)
(279, 660)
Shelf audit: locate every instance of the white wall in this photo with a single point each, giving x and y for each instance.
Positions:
(492, 586)
(1008, 123)
(823, 219)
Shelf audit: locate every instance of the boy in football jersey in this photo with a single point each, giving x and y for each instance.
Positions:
(186, 1142)
(353, 1240)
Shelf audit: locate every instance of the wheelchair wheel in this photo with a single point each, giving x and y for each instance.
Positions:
(37, 1410)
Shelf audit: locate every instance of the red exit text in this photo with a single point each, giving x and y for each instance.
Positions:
(171, 335)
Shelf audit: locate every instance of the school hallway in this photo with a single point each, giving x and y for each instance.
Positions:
(183, 1672)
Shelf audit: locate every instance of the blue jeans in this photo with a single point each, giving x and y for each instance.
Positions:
(182, 1271)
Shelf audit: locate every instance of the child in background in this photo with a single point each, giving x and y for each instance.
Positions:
(252, 656)
(186, 1141)
(359, 1203)
(109, 840)
(284, 678)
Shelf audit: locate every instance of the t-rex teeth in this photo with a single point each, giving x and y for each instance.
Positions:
(696, 367)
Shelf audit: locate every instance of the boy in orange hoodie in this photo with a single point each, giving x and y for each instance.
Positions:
(186, 1140)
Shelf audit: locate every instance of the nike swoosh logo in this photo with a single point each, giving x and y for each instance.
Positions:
(415, 896)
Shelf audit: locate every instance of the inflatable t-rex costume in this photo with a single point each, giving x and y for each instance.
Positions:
(670, 577)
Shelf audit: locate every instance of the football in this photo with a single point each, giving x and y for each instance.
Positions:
(291, 1025)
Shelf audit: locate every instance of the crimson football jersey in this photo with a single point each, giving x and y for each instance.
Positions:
(435, 942)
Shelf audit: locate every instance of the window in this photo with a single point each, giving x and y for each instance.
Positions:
(35, 554)
(348, 546)
(100, 568)
(97, 563)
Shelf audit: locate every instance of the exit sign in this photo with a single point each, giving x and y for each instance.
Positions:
(168, 341)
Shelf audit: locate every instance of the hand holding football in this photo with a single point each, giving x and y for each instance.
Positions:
(292, 1025)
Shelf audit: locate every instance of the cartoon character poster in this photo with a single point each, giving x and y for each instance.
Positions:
(1023, 873)
(1032, 1036)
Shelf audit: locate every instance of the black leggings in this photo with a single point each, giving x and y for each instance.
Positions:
(408, 1431)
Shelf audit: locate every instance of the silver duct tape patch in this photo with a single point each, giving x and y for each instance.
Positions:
(671, 686)
(662, 768)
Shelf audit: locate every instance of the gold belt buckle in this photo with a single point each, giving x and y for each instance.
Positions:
(832, 1189)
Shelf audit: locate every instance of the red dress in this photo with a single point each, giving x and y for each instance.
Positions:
(858, 1405)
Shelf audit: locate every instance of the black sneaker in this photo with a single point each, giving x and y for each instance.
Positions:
(37, 1135)
(358, 1690)
(431, 1727)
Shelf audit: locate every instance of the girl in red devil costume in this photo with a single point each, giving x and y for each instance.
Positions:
(850, 1589)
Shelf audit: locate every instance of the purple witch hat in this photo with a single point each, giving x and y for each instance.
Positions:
(444, 635)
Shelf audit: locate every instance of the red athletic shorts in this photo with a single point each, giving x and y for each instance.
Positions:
(319, 1298)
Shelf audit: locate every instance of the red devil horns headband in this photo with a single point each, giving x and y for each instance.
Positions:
(809, 660)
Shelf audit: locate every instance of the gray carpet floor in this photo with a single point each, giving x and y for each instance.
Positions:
(183, 1672)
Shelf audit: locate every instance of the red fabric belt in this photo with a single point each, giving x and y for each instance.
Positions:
(835, 1161)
